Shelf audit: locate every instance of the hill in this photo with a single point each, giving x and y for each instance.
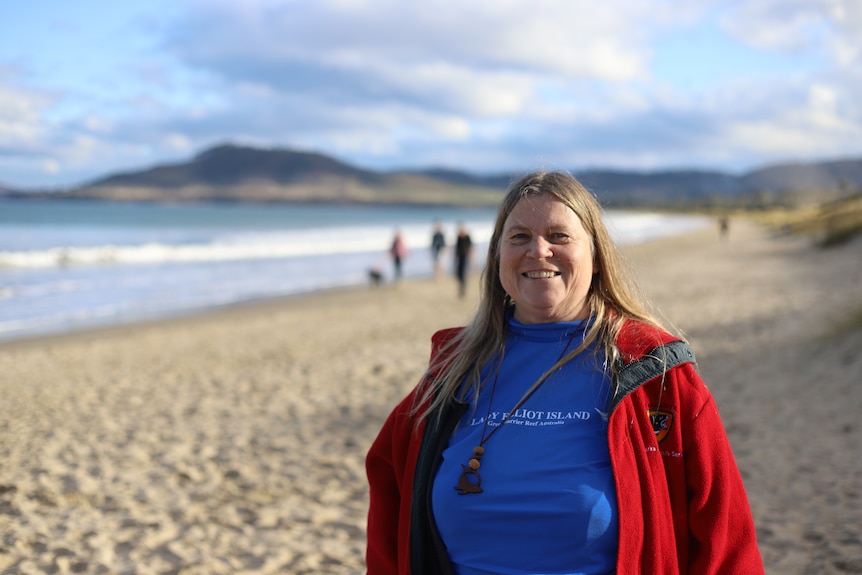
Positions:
(245, 174)
(781, 183)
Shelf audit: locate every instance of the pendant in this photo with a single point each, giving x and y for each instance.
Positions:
(466, 486)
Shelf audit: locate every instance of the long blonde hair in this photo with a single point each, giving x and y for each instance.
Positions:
(612, 298)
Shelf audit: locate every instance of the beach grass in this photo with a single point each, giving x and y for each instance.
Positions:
(828, 223)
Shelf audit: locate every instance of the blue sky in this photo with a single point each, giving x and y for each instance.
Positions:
(93, 87)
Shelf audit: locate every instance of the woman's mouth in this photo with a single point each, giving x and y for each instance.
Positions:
(543, 275)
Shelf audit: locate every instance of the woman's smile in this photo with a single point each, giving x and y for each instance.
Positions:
(541, 275)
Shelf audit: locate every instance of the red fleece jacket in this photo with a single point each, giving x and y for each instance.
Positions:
(682, 504)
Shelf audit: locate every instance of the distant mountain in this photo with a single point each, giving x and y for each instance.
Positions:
(644, 187)
(799, 176)
(618, 187)
(230, 165)
(239, 173)
(497, 181)
(231, 173)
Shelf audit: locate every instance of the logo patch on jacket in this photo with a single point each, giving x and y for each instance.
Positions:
(661, 422)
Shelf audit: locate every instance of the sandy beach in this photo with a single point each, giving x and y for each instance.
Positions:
(234, 442)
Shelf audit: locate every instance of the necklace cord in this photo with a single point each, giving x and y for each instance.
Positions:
(466, 486)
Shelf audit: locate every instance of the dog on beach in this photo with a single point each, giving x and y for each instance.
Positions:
(375, 276)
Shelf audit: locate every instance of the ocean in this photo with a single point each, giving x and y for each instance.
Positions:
(70, 265)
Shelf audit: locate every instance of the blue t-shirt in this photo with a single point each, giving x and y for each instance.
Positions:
(548, 504)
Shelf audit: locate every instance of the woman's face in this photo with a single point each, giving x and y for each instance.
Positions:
(546, 261)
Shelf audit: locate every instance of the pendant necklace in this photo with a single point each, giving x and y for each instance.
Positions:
(466, 485)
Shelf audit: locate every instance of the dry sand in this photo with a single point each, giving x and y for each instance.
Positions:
(234, 442)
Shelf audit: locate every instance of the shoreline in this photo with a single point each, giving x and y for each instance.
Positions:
(258, 305)
(233, 441)
(84, 294)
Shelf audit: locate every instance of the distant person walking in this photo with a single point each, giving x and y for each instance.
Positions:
(723, 226)
(438, 243)
(463, 255)
(399, 252)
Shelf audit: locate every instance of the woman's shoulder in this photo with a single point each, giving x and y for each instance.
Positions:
(637, 338)
(648, 351)
(442, 343)
(443, 337)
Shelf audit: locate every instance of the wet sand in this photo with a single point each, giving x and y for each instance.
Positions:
(234, 441)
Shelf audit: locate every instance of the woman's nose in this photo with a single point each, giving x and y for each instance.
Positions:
(540, 248)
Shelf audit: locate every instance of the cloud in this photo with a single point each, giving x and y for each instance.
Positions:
(20, 110)
(436, 75)
(827, 27)
(547, 36)
(483, 85)
(402, 76)
(475, 59)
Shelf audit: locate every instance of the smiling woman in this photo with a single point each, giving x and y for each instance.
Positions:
(474, 471)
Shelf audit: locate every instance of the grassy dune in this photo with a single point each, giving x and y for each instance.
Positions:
(828, 224)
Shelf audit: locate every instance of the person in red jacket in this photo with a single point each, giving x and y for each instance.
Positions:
(564, 430)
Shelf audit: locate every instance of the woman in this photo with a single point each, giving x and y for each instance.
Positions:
(564, 430)
(398, 251)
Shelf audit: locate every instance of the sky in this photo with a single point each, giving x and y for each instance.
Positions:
(95, 87)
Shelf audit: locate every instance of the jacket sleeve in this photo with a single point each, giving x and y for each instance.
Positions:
(722, 537)
(391, 467)
(386, 467)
